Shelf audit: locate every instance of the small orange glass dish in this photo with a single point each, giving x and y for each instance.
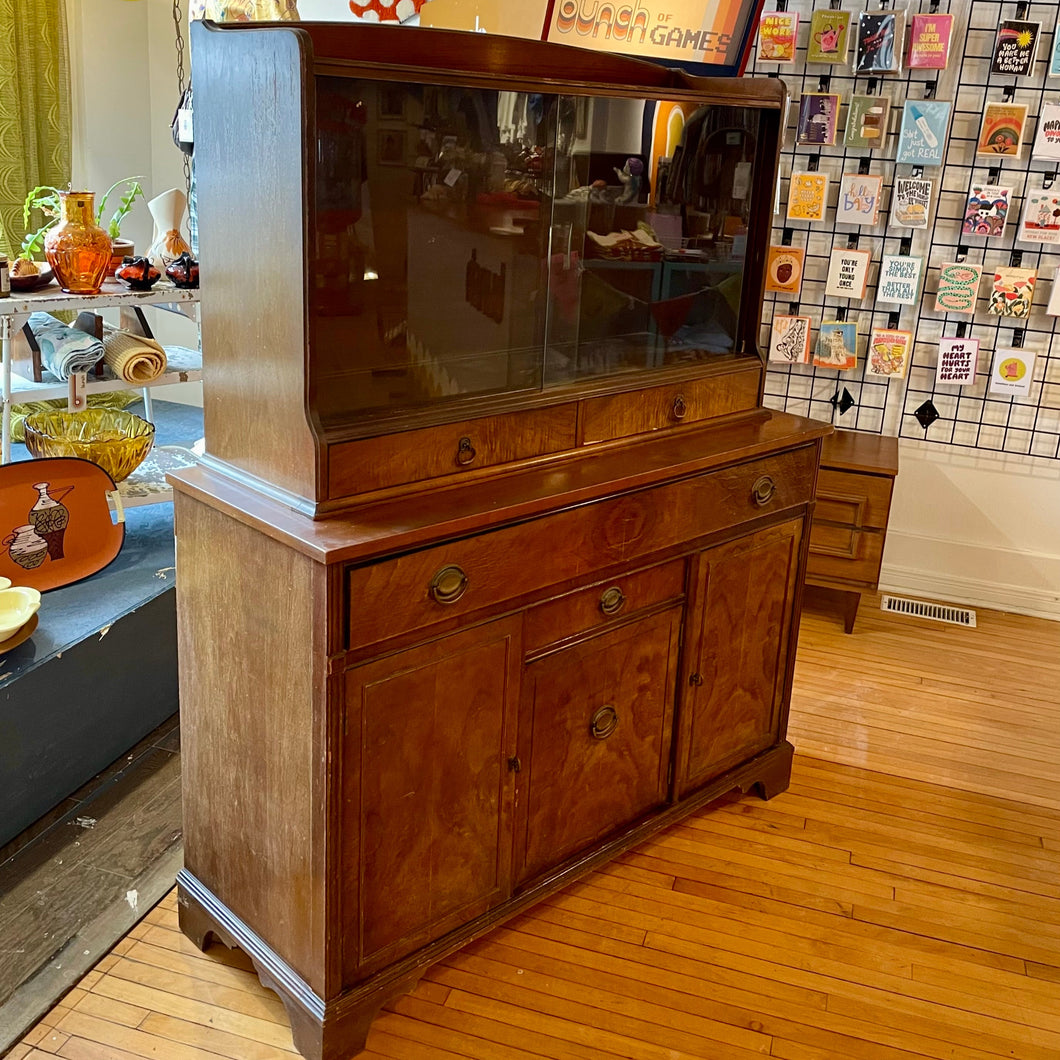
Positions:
(117, 441)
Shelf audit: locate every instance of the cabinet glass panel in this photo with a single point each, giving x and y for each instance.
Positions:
(475, 242)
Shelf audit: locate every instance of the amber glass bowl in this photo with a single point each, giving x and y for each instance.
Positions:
(117, 441)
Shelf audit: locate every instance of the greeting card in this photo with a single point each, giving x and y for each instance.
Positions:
(911, 202)
(777, 32)
(929, 42)
(879, 42)
(818, 114)
(957, 361)
(1041, 217)
(867, 118)
(899, 279)
(1054, 63)
(986, 210)
(807, 196)
(958, 287)
(848, 273)
(789, 342)
(922, 139)
(1001, 134)
(1047, 138)
(1053, 308)
(889, 352)
(1013, 291)
(1015, 47)
(784, 269)
(837, 345)
(829, 36)
(1012, 372)
(859, 199)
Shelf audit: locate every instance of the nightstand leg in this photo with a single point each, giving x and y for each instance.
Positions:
(850, 610)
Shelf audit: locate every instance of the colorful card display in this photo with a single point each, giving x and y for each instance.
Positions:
(911, 202)
(986, 210)
(880, 34)
(922, 139)
(958, 287)
(1012, 372)
(1002, 132)
(829, 37)
(789, 341)
(818, 117)
(837, 345)
(899, 279)
(889, 352)
(1016, 47)
(848, 273)
(777, 33)
(859, 199)
(807, 196)
(929, 42)
(867, 122)
(1041, 217)
(1047, 137)
(784, 266)
(958, 359)
(1013, 292)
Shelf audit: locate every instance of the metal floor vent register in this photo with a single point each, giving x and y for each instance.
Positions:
(959, 616)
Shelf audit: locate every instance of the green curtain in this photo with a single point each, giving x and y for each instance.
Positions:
(34, 107)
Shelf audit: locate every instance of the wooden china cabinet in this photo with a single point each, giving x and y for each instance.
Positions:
(493, 567)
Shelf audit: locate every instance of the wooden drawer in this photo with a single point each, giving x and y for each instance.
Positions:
(412, 456)
(845, 554)
(393, 597)
(852, 498)
(653, 408)
(600, 604)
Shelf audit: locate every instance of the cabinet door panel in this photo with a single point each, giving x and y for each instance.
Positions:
(738, 651)
(576, 786)
(428, 791)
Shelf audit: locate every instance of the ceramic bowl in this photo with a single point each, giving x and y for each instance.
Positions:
(18, 604)
(31, 283)
(117, 441)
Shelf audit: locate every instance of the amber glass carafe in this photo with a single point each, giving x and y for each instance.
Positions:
(77, 248)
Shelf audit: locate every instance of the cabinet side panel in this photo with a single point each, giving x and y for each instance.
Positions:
(250, 173)
(249, 696)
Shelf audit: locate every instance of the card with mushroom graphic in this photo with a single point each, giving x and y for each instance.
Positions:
(789, 341)
(1012, 372)
(1041, 217)
(888, 353)
(837, 345)
(986, 210)
(1013, 291)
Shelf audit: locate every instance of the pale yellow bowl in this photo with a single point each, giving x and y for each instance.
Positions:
(18, 604)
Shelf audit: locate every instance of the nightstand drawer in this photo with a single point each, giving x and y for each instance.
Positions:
(852, 498)
(844, 554)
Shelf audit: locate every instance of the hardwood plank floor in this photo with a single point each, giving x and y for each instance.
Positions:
(901, 900)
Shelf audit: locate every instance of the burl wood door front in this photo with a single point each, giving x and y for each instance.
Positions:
(427, 791)
(736, 658)
(594, 739)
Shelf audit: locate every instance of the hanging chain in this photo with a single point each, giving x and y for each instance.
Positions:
(177, 19)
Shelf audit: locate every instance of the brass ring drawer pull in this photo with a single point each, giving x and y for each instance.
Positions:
(679, 409)
(762, 491)
(448, 585)
(603, 722)
(612, 600)
(465, 452)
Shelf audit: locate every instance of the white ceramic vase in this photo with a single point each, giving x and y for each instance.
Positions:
(168, 244)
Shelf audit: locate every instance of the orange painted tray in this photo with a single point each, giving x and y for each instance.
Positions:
(56, 526)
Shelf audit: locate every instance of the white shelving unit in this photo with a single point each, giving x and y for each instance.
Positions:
(184, 364)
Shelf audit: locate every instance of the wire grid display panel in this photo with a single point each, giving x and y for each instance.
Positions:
(967, 416)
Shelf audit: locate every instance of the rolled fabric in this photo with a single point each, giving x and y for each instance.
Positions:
(63, 349)
(132, 357)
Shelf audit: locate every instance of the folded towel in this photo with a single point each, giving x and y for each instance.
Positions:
(64, 350)
(132, 357)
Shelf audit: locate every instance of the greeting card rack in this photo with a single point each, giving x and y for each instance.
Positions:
(968, 416)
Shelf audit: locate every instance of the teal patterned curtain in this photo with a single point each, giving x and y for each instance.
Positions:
(34, 107)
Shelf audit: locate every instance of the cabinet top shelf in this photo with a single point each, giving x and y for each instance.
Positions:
(114, 293)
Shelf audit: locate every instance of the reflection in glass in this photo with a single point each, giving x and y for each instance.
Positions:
(477, 242)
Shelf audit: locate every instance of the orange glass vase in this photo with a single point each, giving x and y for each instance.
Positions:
(77, 248)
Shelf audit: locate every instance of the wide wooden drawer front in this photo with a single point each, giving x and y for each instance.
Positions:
(600, 604)
(412, 456)
(845, 554)
(393, 597)
(653, 408)
(853, 499)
